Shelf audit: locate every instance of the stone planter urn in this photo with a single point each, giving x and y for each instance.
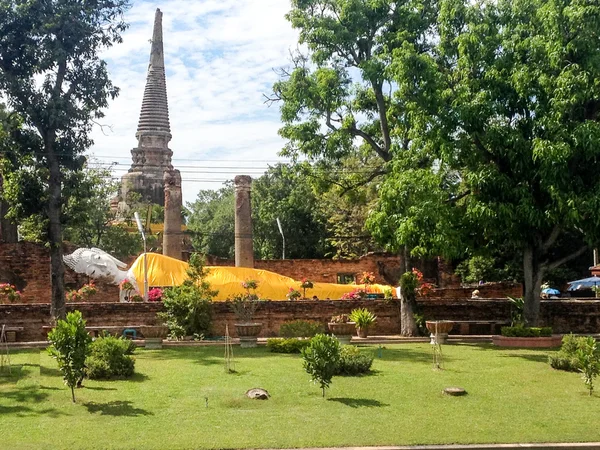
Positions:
(441, 328)
(248, 333)
(342, 331)
(153, 336)
(362, 332)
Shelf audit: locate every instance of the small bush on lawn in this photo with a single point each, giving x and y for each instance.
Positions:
(353, 362)
(70, 346)
(321, 358)
(300, 328)
(291, 345)
(526, 331)
(110, 357)
(566, 358)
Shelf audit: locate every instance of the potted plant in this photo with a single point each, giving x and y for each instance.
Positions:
(154, 335)
(363, 319)
(305, 284)
(342, 328)
(9, 292)
(293, 294)
(244, 307)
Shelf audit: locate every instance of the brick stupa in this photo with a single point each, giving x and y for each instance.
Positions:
(152, 156)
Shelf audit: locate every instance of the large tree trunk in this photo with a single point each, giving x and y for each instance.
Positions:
(533, 273)
(408, 306)
(55, 234)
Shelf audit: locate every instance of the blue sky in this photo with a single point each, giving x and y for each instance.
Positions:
(220, 58)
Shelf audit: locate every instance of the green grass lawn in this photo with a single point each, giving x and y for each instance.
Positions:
(182, 398)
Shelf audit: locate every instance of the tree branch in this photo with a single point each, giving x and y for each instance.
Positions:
(552, 238)
(381, 152)
(567, 258)
(376, 173)
(458, 197)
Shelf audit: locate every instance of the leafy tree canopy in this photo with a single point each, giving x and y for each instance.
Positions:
(52, 77)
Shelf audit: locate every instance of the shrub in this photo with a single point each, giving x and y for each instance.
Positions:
(320, 359)
(353, 362)
(110, 357)
(70, 345)
(566, 358)
(188, 307)
(589, 361)
(526, 331)
(362, 317)
(291, 345)
(300, 328)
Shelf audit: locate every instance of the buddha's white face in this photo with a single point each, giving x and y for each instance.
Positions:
(95, 265)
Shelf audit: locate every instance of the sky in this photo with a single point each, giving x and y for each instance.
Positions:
(221, 58)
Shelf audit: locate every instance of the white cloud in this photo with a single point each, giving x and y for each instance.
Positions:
(219, 57)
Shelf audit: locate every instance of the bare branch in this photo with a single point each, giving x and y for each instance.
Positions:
(567, 258)
(552, 238)
(110, 127)
(376, 173)
(458, 197)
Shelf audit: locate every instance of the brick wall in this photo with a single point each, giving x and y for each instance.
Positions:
(495, 290)
(387, 268)
(27, 266)
(579, 316)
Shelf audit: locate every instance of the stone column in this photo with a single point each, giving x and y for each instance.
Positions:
(244, 250)
(172, 235)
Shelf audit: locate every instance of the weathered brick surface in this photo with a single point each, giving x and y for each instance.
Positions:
(578, 316)
(385, 267)
(27, 266)
(496, 290)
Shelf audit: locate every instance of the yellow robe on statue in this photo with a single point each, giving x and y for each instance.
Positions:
(164, 271)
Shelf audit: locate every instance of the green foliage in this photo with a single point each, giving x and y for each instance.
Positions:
(188, 307)
(409, 282)
(244, 305)
(353, 361)
(503, 135)
(56, 84)
(363, 317)
(110, 357)
(521, 331)
(477, 268)
(70, 346)
(300, 328)
(320, 359)
(211, 222)
(283, 192)
(421, 324)
(588, 355)
(517, 306)
(289, 345)
(566, 358)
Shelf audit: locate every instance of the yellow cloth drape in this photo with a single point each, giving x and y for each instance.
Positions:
(165, 271)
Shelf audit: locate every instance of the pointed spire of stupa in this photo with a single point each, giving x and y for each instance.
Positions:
(154, 117)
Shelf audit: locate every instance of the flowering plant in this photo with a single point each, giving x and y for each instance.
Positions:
(305, 284)
(82, 294)
(423, 288)
(367, 278)
(293, 294)
(155, 294)
(356, 294)
(340, 318)
(250, 284)
(244, 305)
(9, 292)
(126, 285)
